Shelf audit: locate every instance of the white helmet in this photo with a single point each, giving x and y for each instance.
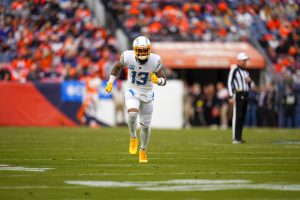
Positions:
(141, 47)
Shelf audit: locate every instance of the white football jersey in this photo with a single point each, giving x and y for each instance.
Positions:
(138, 80)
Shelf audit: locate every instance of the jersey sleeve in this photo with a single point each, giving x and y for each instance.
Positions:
(159, 64)
(123, 60)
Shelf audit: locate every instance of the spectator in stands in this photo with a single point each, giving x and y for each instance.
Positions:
(34, 73)
(261, 117)
(4, 74)
(118, 99)
(188, 110)
(251, 119)
(289, 102)
(222, 96)
(198, 101)
(269, 105)
(211, 106)
(55, 43)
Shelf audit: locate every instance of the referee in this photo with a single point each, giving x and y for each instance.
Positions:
(238, 87)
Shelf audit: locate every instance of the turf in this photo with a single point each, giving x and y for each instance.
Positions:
(269, 156)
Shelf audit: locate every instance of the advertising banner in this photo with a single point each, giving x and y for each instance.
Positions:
(206, 55)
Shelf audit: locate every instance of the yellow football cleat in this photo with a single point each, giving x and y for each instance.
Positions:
(143, 156)
(133, 146)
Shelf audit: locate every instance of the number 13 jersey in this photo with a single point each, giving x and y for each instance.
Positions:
(138, 79)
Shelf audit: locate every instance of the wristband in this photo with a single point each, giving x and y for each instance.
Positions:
(112, 78)
(161, 81)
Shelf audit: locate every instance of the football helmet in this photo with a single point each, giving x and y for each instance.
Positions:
(141, 47)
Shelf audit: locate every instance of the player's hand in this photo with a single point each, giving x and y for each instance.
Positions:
(108, 87)
(248, 79)
(231, 100)
(153, 77)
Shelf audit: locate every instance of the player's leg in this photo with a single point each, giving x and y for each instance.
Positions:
(132, 105)
(146, 111)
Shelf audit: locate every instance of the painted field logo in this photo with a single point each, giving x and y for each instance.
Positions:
(188, 185)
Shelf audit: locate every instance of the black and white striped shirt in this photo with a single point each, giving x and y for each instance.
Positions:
(237, 80)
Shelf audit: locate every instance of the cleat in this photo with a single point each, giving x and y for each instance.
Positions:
(143, 156)
(133, 146)
(238, 141)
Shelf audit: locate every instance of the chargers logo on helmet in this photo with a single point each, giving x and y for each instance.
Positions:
(141, 47)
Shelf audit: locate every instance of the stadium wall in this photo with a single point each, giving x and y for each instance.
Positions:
(57, 104)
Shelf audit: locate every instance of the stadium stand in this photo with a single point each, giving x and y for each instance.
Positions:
(274, 24)
(64, 44)
(68, 44)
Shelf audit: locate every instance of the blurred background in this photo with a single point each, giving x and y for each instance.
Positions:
(56, 55)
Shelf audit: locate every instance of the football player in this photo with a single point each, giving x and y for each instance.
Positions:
(144, 69)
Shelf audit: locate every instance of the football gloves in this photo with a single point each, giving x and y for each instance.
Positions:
(153, 77)
(108, 87)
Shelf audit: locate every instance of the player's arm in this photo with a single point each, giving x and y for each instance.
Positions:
(113, 75)
(159, 77)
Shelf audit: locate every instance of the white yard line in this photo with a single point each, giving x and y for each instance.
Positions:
(16, 159)
(169, 185)
(188, 185)
(5, 167)
(38, 187)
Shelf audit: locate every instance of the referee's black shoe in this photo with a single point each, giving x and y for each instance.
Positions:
(238, 141)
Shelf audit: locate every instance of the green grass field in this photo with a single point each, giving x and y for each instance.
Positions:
(183, 164)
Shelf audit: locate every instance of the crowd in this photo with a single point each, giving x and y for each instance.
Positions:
(274, 24)
(184, 20)
(55, 40)
(208, 106)
(52, 40)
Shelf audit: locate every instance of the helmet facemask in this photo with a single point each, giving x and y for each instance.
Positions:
(142, 53)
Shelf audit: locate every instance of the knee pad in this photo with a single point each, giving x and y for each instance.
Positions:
(146, 129)
(145, 121)
(132, 115)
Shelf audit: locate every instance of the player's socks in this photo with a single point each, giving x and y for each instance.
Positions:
(132, 117)
(145, 136)
(143, 156)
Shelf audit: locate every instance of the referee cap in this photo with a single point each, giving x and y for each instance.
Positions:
(242, 56)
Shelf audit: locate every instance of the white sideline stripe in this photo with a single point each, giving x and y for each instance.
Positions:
(188, 185)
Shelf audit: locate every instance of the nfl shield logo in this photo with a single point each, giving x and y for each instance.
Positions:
(131, 67)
